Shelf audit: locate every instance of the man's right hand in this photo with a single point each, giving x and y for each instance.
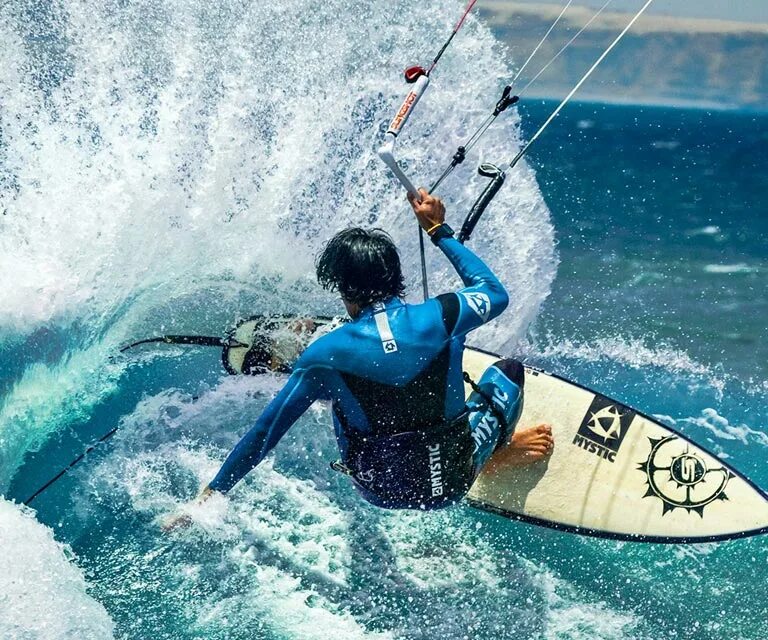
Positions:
(175, 521)
(430, 211)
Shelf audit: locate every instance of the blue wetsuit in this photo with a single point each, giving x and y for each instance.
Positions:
(395, 368)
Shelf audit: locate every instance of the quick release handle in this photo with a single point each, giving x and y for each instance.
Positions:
(497, 177)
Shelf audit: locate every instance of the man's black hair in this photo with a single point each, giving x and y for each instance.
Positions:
(362, 265)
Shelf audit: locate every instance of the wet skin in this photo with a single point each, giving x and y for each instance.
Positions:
(527, 446)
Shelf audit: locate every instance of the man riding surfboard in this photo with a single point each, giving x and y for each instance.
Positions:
(394, 377)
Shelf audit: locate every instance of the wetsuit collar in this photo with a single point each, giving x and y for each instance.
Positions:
(368, 311)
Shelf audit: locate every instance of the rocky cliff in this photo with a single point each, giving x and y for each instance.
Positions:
(662, 60)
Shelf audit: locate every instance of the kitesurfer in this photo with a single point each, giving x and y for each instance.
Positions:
(406, 435)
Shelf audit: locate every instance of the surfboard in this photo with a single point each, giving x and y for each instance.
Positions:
(615, 472)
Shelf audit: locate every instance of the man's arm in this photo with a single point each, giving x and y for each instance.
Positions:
(483, 297)
(301, 390)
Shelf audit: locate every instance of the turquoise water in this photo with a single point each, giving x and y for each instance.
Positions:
(172, 167)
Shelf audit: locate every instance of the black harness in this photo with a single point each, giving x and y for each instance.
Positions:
(428, 468)
(413, 458)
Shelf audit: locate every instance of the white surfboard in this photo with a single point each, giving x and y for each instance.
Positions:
(616, 473)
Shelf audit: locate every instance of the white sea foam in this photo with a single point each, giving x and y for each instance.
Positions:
(43, 595)
(709, 230)
(573, 616)
(158, 463)
(665, 145)
(633, 353)
(142, 170)
(190, 160)
(280, 603)
(740, 267)
(720, 427)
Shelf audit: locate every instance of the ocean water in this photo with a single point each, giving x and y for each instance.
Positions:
(170, 167)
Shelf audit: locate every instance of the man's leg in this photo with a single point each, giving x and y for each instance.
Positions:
(493, 428)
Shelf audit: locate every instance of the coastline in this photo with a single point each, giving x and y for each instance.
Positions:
(696, 63)
(648, 23)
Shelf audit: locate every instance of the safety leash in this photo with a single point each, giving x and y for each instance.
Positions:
(72, 464)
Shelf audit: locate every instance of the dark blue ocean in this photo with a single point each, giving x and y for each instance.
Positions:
(174, 167)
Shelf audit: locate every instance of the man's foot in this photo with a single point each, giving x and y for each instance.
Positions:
(526, 447)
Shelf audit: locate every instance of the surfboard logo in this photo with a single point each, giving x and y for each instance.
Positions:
(603, 428)
(606, 423)
(680, 478)
(480, 303)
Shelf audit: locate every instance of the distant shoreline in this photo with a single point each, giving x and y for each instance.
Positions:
(617, 19)
(665, 61)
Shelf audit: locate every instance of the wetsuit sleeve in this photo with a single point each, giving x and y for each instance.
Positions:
(302, 388)
(483, 297)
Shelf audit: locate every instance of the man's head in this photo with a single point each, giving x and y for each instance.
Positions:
(363, 266)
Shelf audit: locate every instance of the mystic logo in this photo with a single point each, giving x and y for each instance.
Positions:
(489, 423)
(603, 428)
(680, 478)
(480, 303)
(435, 470)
